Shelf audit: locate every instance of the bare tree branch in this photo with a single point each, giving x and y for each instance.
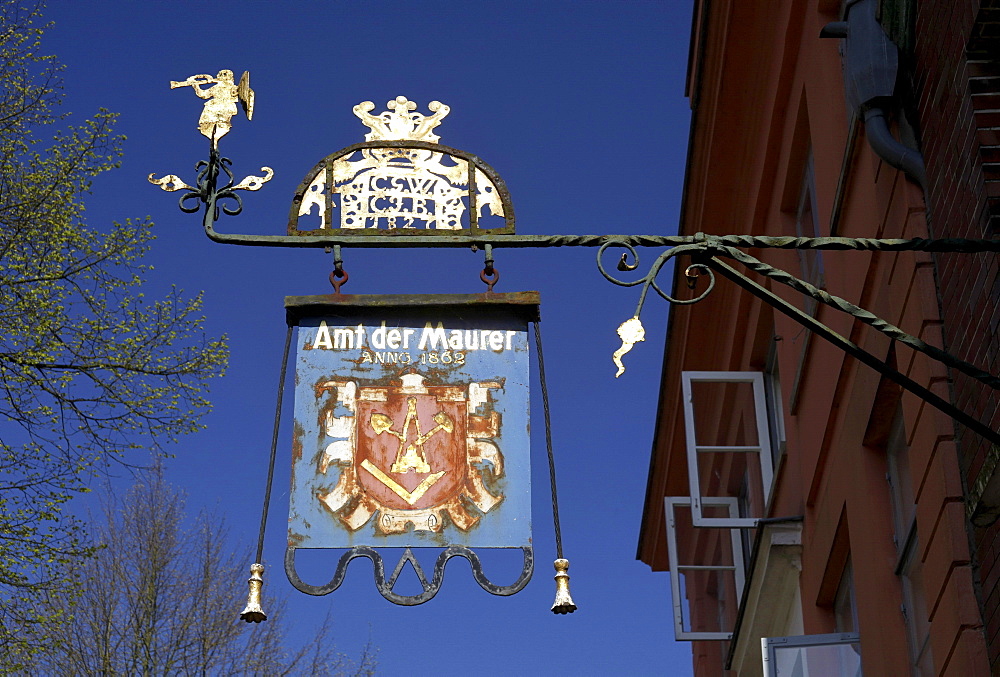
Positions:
(162, 596)
(90, 369)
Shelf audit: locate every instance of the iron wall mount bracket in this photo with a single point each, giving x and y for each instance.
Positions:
(706, 250)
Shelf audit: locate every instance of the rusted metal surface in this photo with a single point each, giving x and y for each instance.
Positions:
(397, 239)
(490, 276)
(523, 305)
(338, 278)
(413, 420)
(399, 180)
(411, 425)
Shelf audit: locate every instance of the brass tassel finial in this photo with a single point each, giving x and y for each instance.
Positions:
(564, 603)
(253, 613)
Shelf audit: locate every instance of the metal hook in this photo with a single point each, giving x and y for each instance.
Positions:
(490, 276)
(339, 276)
(490, 280)
(488, 260)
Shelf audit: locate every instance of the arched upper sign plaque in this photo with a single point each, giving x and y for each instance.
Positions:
(401, 181)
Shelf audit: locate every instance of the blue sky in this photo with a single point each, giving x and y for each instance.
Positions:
(579, 106)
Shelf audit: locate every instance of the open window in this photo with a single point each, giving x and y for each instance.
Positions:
(728, 441)
(706, 595)
(833, 655)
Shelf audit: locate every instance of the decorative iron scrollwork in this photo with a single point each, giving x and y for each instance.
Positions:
(430, 588)
(215, 122)
(207, 190)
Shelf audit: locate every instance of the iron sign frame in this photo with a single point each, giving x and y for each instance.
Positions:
(304, 311)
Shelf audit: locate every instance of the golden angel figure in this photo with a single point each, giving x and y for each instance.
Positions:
(220, 105)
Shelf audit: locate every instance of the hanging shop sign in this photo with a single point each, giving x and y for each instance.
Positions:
(411, 428)
(411, 412)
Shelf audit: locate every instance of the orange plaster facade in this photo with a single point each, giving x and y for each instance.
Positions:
(769, 119)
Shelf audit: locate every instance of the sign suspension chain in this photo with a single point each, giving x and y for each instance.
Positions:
(253, 613)
(563, 603)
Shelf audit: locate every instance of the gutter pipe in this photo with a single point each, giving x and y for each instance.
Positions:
(871, 62)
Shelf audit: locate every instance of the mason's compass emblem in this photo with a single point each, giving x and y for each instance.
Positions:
(411, 453)
(410, 456)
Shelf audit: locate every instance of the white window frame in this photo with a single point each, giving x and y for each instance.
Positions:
(762, 448)
(775, 413)
(673, 560)
(768, 646)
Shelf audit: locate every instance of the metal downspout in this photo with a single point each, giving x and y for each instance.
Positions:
(871, 64)
(892, 151)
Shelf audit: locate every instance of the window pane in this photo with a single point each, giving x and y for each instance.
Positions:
(834, 660)
(726, 431)
(724, 413)
(807, 225)
(772, 396)
(709, 600)
(708, 572)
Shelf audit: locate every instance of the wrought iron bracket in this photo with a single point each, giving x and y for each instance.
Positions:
(207, 190)
(430, 588)
(400, 165)
(862, 355)
(705, 251)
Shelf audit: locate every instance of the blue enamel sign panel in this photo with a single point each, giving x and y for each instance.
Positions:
(411, 421)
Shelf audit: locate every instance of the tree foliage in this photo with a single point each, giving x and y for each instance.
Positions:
(89, 368)
(160, 598)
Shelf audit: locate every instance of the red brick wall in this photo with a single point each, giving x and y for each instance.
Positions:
(956, 80)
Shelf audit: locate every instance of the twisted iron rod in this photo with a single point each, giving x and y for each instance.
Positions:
(865, 316)
(548, 440)
(274, 445)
